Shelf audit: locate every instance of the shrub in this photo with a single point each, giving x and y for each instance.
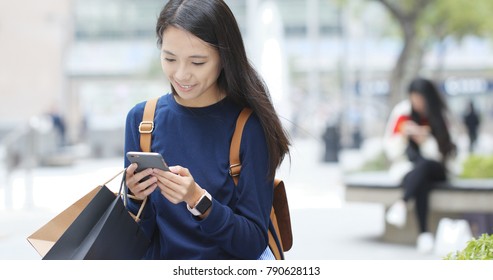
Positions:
(476, 249)
(378, 163)
(476, 166)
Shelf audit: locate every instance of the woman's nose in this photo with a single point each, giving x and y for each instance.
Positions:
(182, 73)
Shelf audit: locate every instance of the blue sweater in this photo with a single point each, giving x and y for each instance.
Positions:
(199, 139)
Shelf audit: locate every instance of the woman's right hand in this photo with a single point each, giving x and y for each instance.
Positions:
(419, 133)
(140, 189)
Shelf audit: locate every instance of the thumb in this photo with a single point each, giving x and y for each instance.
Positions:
(182, 171)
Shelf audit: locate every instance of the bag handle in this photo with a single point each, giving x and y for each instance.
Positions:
(123, 192)
(113, 178)
(126, 196)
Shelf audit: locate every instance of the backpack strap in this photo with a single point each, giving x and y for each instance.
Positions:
(146, 126)
(275, 244)
(234, 150)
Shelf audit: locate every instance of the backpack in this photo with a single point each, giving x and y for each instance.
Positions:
(280, 234)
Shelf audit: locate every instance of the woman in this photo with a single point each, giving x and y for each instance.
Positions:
(419, 144)
(204, 59)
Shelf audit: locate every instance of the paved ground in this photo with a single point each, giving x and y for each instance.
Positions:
(325, 227)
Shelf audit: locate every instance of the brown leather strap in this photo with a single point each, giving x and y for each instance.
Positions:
(234, 150)
(234, 171)
(146, 128)
(147, 125)
(272, 241)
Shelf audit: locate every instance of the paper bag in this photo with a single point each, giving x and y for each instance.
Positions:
(97, 226)
(44, 238)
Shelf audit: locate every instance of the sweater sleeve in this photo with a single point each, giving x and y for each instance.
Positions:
(242, 231)
(395, 142)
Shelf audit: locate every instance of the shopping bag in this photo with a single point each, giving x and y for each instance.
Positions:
(102, 229)
(452, 236)
(44, 238)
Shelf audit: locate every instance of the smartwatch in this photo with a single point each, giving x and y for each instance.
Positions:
(204, 203)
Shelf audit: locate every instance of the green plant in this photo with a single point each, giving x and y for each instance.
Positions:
(476, 166)
(476, 249)
(378, 163)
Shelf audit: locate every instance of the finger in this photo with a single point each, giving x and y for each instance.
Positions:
(183, 190)
(139, 176)
(173, 186)
(148, 191)
(130, 178)
(133, 177)
(182, 171)
(182, 177)
(160, 172)
(131, 168)
(136, 184)
(145, 188)
(168, 177)
(144, 184)
(170, 194)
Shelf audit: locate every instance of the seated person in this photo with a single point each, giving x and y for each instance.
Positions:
(418, 142)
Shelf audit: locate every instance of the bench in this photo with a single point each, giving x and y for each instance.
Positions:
(455, 199)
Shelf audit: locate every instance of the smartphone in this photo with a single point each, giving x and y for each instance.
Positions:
(146, 160)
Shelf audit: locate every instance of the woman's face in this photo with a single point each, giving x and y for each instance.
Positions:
(192, 67)
(418, 103)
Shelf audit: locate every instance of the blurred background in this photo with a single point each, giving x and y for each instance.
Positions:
(71, 69)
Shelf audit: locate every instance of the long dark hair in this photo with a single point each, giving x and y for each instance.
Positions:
(213, 22)
(436, 109)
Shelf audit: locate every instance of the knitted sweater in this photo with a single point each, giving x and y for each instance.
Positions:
(199, 139)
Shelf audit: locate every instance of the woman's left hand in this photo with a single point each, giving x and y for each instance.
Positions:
(178, 185)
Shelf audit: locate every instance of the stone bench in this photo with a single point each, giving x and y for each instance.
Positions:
(455, 199)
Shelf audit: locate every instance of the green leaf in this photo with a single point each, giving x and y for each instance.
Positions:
(476, 249)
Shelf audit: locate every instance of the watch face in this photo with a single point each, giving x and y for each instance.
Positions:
(203, 205)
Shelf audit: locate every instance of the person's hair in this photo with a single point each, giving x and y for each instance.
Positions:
(436, 109)
(213, 22)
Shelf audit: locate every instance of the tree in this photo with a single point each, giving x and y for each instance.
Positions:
(424, 23)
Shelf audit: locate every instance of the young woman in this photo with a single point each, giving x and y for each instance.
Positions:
(419, 144)
(204, 59)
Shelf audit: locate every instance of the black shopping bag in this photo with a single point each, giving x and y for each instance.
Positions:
(104, 230)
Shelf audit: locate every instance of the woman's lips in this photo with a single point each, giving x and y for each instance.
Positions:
(183, 87)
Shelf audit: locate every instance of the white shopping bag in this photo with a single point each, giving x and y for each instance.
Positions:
(451, 236)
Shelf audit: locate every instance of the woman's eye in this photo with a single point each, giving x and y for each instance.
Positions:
(169, 59)
(198, 63)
